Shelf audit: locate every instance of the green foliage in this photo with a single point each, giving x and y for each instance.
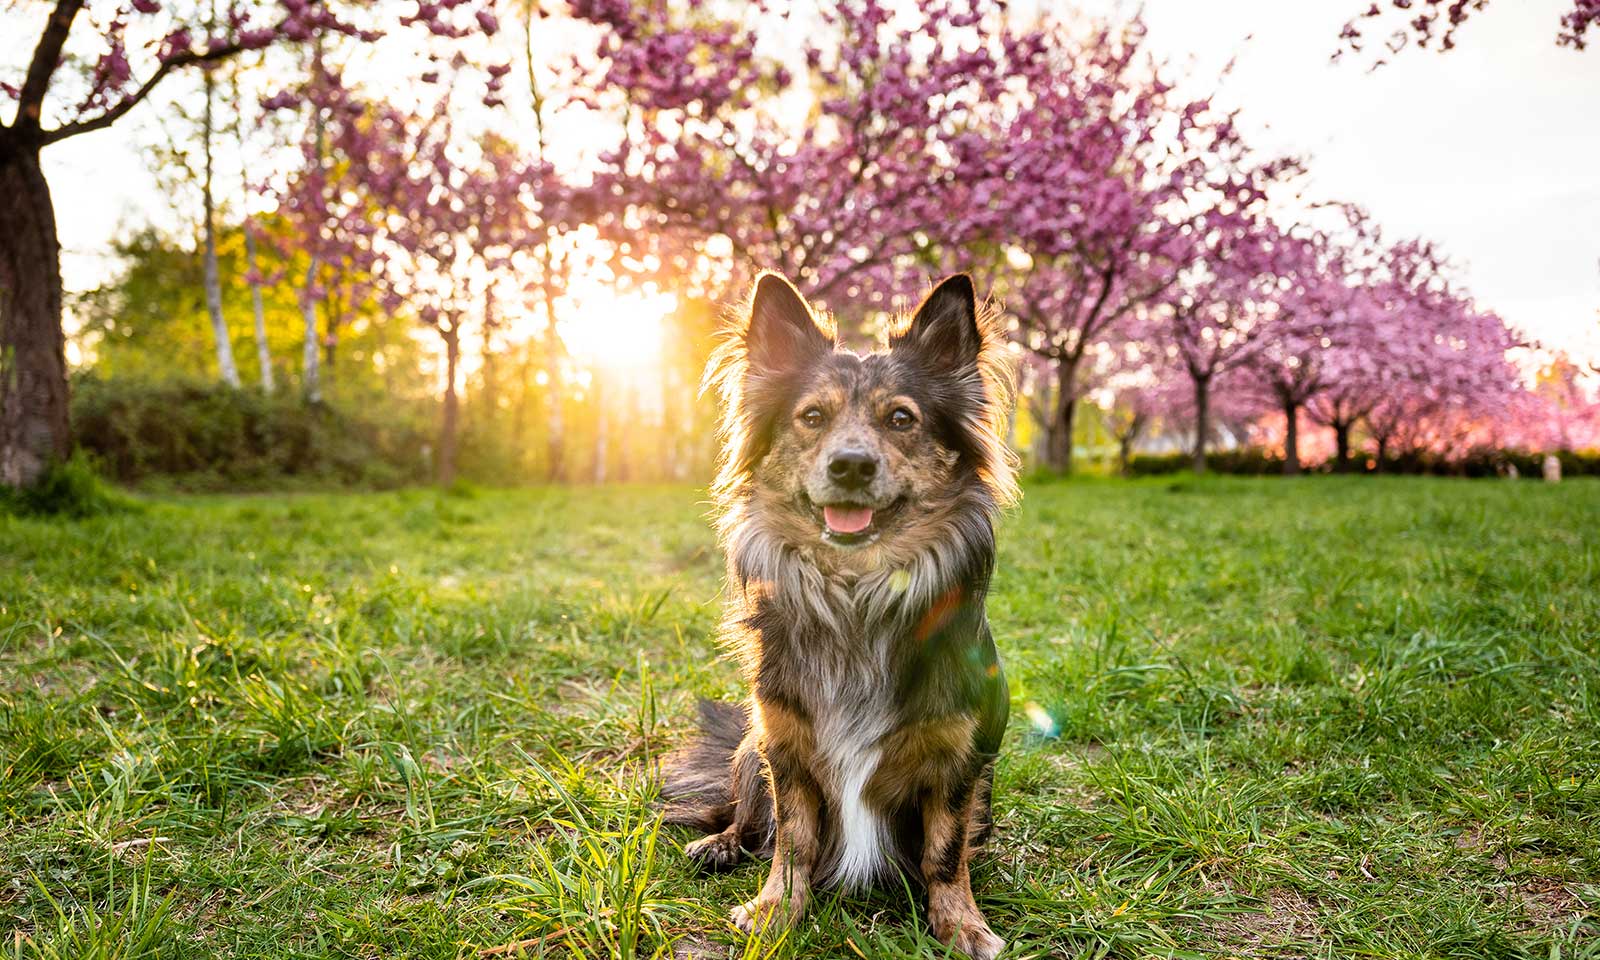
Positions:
(69, 489)
(148, 347)
(206, 436)
(1346, 716)
(149, 323)
(1247, 461)
(130, 925)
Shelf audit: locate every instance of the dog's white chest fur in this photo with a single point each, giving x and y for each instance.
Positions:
(847, 745)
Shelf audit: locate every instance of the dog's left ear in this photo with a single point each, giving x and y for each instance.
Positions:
(783, 333)
(943, 333)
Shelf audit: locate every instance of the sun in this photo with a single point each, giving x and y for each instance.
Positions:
(618, 330)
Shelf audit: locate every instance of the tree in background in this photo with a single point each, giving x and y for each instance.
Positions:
(34, 427)
(843, 200)
(1134, 241)
(1084, 178)
(1317, 327)
(1142, 389)
(453, 214)
(1223, 307)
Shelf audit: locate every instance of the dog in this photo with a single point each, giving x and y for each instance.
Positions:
(857, 497)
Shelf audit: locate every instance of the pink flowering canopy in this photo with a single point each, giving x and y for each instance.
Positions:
(1433, 24)
(844, 202)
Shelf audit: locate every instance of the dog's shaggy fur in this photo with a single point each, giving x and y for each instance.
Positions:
(858, 496)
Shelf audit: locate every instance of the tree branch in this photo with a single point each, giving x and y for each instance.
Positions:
(46, 57)
(111, 116)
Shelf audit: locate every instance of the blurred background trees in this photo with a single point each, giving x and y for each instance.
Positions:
(406, 242)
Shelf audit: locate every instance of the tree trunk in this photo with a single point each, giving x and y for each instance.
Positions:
(490, 399)
(1061, 434)
(1341, 446)
(34, 429)
(600, 426)
(555, 442)
(311, 384)
(312, 381)
(252, 269)
(1383, 451)
(1202, 420)
(1291, 438)
(1125, 455)
(263, 351)
(449, 421)
(213, 281)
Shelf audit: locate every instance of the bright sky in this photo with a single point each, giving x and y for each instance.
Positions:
(1492, 150)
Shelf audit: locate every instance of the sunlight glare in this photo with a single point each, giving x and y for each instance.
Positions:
(615, 329)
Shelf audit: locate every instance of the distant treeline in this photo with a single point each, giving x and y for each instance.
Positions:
(195, 435)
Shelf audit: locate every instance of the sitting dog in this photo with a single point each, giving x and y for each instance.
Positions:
(858, 495)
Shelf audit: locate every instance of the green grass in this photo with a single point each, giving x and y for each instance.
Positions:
(1333, 717)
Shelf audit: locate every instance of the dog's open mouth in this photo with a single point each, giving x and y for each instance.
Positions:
(852, 524)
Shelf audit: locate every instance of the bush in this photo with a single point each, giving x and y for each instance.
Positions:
(1497, 463)
(206, 436)
(1473, 463)
(1250, 461)
(70, 489)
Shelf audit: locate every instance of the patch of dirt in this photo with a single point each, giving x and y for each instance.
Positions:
(695, 948)
(1284, 918)
(1551, 905)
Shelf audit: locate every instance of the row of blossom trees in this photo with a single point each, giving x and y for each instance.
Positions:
(1139, 246)
(1149, 259)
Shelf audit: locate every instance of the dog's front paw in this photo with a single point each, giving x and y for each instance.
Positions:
(716, 852)
(970, 935)
(763, 914)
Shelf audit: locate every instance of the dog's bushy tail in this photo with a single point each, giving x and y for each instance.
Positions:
(697, 780)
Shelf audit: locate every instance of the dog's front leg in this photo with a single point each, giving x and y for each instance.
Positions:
(947, 823)
(786, 747)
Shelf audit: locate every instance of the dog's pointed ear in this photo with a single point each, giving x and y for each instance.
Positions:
(943, 334)
(782, 333)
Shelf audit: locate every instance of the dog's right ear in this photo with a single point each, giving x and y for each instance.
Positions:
(782, 333)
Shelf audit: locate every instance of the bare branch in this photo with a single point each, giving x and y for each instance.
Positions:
(46, 57)
(186, 59)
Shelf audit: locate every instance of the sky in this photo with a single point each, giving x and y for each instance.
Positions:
(1491, 150)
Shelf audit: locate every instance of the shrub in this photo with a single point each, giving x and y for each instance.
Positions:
(1242, 460)
(207, 436)
(70, 489)
(1471, 463)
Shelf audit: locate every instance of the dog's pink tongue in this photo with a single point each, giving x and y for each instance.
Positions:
(847, 519)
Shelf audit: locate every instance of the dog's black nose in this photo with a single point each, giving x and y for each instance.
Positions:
(852, 469)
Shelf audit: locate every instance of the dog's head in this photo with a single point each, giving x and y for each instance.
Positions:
(845, 450)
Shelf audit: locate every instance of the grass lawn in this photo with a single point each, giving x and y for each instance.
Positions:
(1327, 717)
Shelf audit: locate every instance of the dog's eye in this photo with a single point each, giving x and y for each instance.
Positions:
(901, 419)
(812, 417)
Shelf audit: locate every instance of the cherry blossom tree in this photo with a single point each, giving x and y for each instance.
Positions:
(1081, 182)
(1223, 306)
(1560, 410)
(1141, 388)
(1318, 322)
(844, 201)
(456, 210)
(1433, 24)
